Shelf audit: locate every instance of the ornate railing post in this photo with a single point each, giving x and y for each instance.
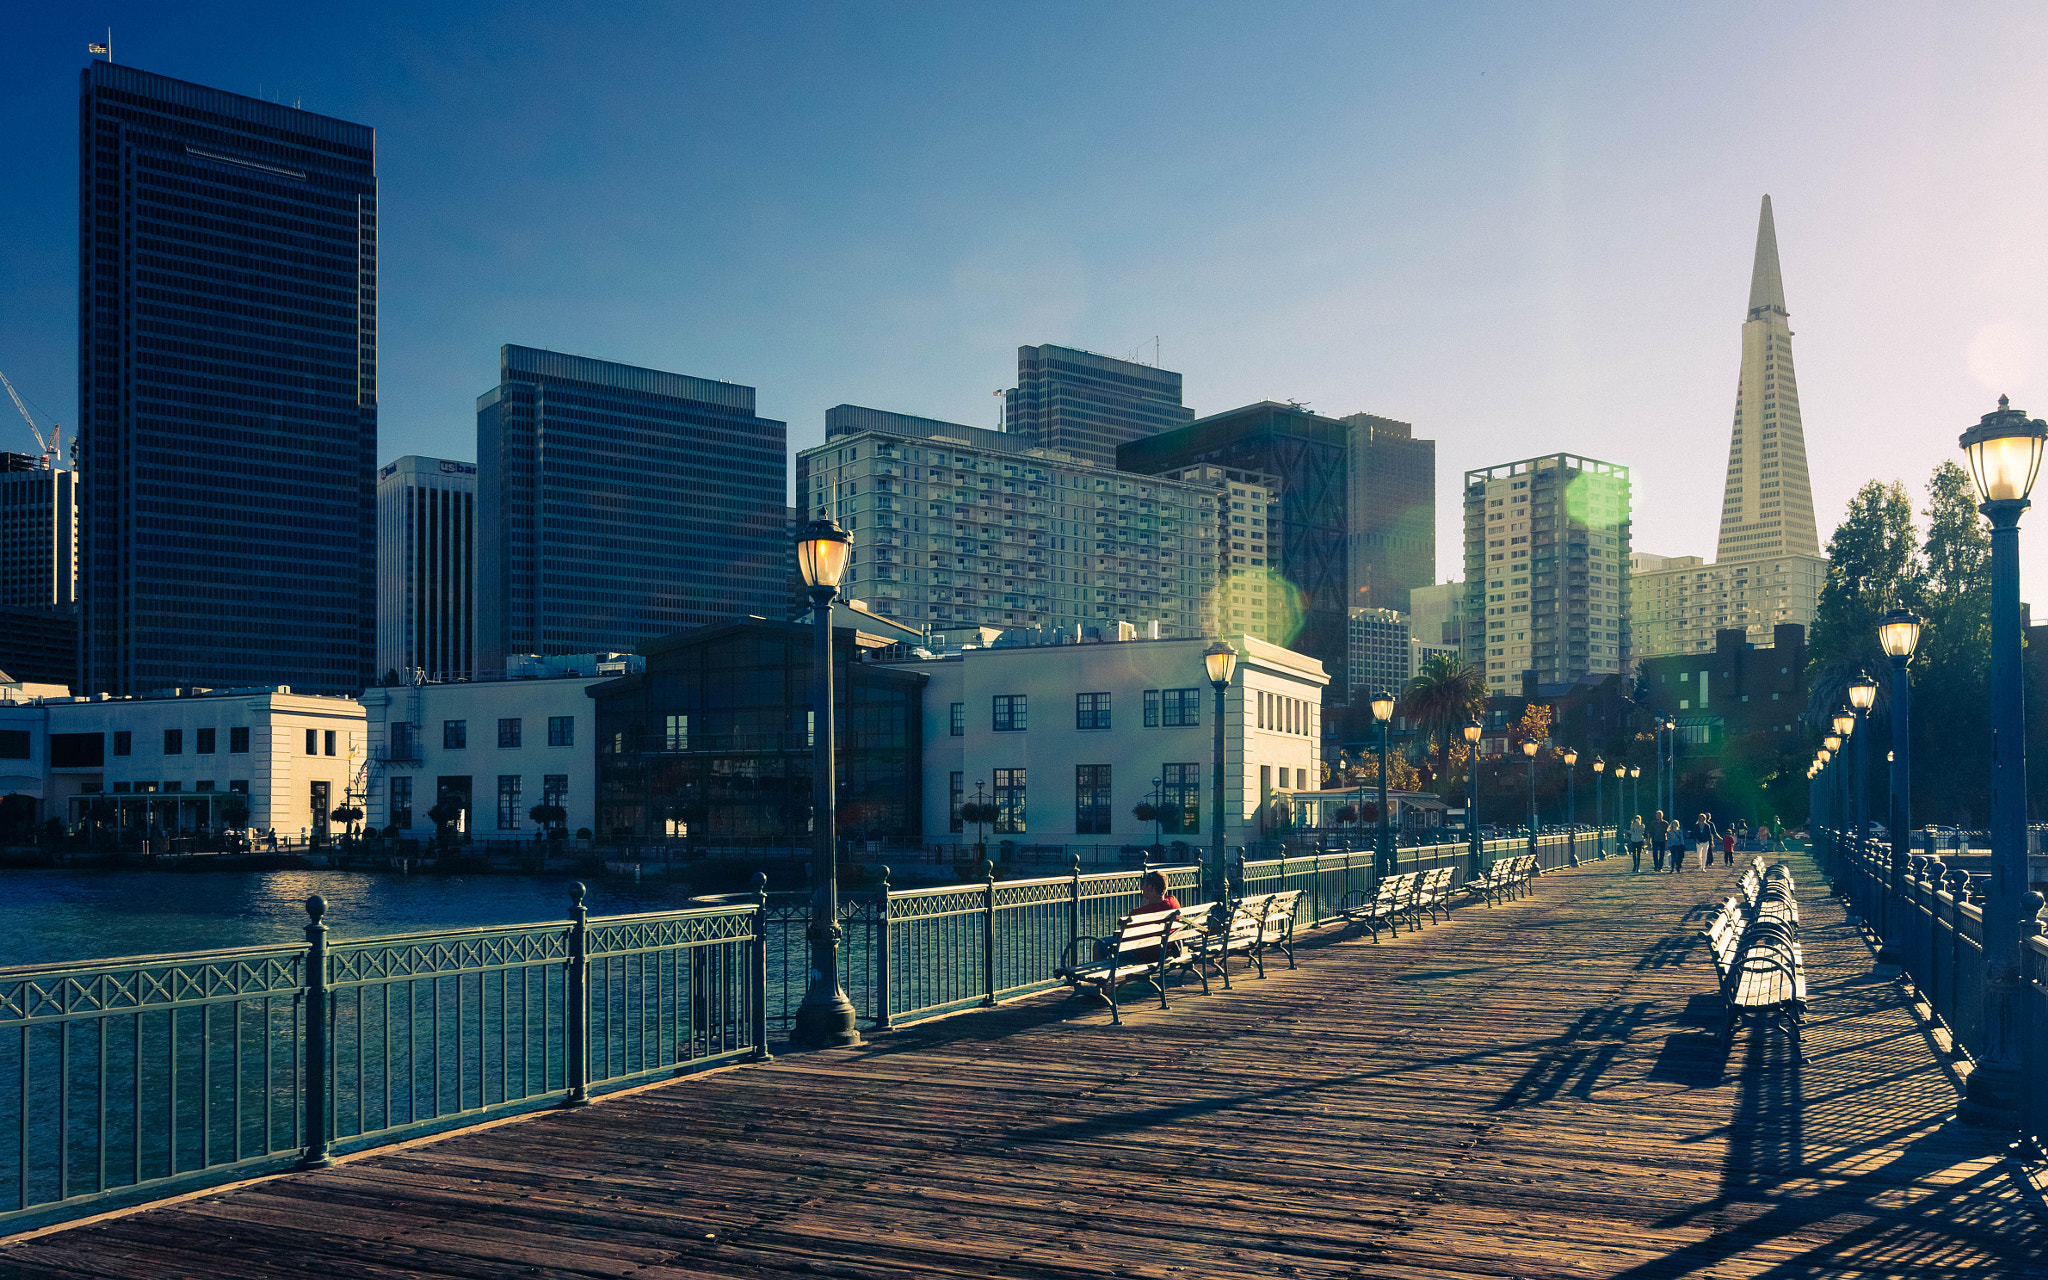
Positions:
(757, 962)
(988, 933)
(576, 1004)
(1935, 873)
(881, 936)
(1074, 914)
(317, 1079)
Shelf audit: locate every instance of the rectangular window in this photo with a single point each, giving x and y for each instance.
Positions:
(675, 732)
(77, 750)
(509, 733)
(204, 746)
(1091, 798)
(454, 735)
(1091, 711)
(174, 742)
(1179, 708)
(554, 789)
(401, 803)
(1180, 799)
(238, 787)
(330, 742)
(14, 744)
(1009, 801)
(124, 742)
(312, 742)
(1010, 713)
(561, 731)
(957, 796)
(959, 724)
(508, 802)
(238, 742)
(1151, 708)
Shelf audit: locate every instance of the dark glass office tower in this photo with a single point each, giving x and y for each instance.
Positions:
(1087, 404)
(617, 504)
(227, 389)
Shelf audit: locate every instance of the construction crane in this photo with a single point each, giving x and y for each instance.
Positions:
(49, 448)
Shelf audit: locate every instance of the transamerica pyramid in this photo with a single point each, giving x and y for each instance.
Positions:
(1767, 506)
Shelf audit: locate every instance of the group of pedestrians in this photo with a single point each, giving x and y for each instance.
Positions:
(1667, 839)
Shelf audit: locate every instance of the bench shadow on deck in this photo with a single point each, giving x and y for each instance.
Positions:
(1529, 1090)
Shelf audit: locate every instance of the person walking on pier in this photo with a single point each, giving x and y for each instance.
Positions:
(1637, 834)
(1660, 831)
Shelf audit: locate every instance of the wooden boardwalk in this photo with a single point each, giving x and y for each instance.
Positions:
(1526, 1091)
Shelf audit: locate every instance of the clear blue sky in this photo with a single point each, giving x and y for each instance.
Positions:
(1523, 227)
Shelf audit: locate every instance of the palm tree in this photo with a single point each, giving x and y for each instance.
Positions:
(1445, 694)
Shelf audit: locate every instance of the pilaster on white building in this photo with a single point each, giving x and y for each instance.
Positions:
(1067, 739)
(426, 568)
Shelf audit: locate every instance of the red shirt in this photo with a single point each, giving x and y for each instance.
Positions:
(1146, 955)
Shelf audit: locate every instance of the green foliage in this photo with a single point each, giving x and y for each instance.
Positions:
(1952, 667)
(1873, 563)
(1442, 697)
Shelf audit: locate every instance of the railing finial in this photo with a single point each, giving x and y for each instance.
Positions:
(2031, 903)
(576, 892)
(316, 907)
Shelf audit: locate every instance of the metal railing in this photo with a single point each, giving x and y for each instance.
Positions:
(137, 1078)
(1933, 926)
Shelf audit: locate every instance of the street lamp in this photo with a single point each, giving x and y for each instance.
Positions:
(826, 1017)
(1898, 633)
(1571, 785)
(2004, 450)
(1599, 797)
(1383, 711)
(1473, 732)
(1862, 696)
(1529, 750)
(1220, 661)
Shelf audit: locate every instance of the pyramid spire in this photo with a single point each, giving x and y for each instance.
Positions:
(1766, 284)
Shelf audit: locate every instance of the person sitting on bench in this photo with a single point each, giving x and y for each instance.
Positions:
(1152, 896)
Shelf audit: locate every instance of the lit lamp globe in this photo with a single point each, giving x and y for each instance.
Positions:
(1827, 753)
(822, 551)
(1600, 766)
(2004, 450)
(1529, 749)
(1473, 732)
(1571, 758)
(1862, 691)
(1383, 707)
(1844, 722)
(1898, 633)
(1221, 661)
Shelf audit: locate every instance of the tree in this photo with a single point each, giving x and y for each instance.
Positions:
(1445, 694)
(1873, 564)
(1951, 666)
(550, 816)
(1401, 774)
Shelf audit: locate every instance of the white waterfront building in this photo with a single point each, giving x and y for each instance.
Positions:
(497, 747)
(1066, 739)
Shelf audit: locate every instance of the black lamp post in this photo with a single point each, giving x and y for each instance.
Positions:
(826, 1017)
(1529, 749)
(1831, 791)
(1571, 785)
(1898, 632)
(1473, 732)
(1845, 785)
(1383, 711)
(1599, 797)
(1219, 660)
(1862, 697)
(2004, 450)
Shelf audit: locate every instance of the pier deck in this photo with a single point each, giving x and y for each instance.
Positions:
(1532, 1090)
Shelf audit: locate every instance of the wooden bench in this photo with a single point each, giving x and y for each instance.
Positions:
(1384, 906)
(1492, 886)
(1146, 948)
(1758, 964)
(1276, 928)
(1432, 894)
(1522, 869)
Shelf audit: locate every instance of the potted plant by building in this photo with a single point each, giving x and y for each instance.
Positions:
(444, 815)
(980, 814)
(1146, 811)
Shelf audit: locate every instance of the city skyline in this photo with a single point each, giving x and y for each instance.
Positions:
(1464, 306)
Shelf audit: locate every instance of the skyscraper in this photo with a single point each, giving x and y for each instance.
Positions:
(38, 537)
(1085, 404)
(1767, 504)
(1768, 571)
(1546, 570)
(426, 568)
(227, 388)
(616, 504)
(1391, 521)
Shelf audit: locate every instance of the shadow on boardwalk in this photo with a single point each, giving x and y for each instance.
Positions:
(1534, 1090)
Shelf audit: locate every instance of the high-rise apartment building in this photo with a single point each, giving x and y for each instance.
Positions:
(1379, 658)
(426, 569)
(227, 389)
(1250, 596)
(956, 527)
(1547, 570)
(1768, 569)
(1436, 614)
(38, 534)
(617, 504)
(1085, 404)
(1350, 536)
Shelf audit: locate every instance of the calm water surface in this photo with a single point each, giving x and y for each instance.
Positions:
(48, 916)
